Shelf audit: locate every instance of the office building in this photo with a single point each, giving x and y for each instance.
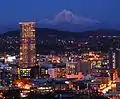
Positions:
(27, 47)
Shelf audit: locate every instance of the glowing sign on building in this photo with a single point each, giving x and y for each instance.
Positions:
(25, 72)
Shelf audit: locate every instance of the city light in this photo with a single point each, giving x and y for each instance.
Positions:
(27, 46)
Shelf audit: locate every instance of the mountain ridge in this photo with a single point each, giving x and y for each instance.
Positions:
(46, 33)
(69, 17)
(66, 20)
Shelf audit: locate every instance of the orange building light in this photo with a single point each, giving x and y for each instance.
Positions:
(27, 46)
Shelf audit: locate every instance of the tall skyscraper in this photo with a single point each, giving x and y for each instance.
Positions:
(27, 46)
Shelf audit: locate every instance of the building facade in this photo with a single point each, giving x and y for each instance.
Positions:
(27, 62)
(27, 47)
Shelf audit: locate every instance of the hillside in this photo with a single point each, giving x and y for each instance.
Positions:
(45, 33)
(48, 40)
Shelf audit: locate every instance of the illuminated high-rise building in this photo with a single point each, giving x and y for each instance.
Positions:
(27, 47)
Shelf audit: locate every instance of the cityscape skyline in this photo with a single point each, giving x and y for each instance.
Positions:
(60, 49)
(66, 70)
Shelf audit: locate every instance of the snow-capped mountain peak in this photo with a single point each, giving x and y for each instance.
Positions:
(66, 16)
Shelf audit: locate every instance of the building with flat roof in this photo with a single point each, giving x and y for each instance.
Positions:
(27, 46)
(27, 62)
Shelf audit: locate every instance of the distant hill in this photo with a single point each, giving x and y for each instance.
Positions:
(45, 33)
(47, 41)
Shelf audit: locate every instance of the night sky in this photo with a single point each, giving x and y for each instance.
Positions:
(13, 11)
